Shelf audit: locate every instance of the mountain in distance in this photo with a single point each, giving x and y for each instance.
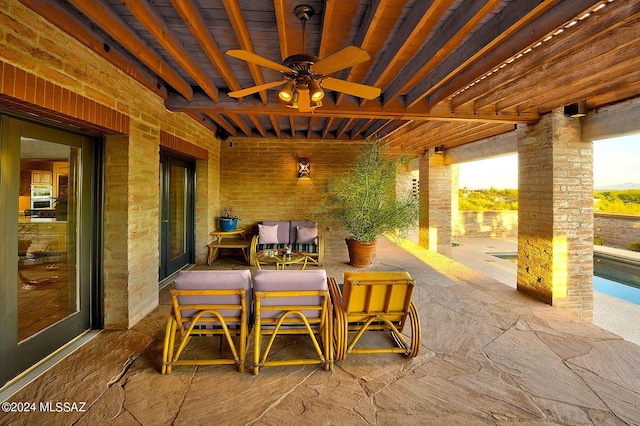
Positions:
(618, 187)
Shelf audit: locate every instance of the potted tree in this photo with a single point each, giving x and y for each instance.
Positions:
(367, 204)
(228, 221)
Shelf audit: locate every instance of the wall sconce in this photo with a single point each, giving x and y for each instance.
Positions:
(304, 168)
(576, 110)
(439, 149)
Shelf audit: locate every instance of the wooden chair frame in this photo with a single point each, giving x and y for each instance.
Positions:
(177, 321)
(294, 321)
(376, 307)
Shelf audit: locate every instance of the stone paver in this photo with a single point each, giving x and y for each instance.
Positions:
(489, 355)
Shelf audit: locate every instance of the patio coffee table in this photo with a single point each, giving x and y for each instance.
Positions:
(281, 260)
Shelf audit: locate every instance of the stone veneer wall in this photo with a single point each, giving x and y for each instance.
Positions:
(259, 181)
(47, 72)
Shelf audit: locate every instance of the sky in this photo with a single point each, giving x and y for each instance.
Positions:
(615, 161)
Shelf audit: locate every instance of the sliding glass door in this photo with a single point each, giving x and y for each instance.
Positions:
(46, 198)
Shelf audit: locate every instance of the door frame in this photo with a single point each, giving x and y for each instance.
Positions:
(167, 266)
(19, 356)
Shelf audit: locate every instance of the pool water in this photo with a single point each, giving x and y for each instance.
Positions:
(613, 276)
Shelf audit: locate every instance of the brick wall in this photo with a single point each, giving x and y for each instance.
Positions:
(436, 195)
(486, 223)
(259, 181)
(617, 230)
(50, 74)
(555, 216)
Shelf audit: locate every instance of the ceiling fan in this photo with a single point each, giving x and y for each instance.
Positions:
(306, 75)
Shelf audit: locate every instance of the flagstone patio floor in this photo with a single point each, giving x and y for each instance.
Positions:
(489, 355)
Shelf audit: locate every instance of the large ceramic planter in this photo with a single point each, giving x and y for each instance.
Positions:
(361, 253)
(227, 224)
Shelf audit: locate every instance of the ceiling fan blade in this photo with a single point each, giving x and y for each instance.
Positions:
(345, 58)
(250, 90)
(257, 59)
(350, 88)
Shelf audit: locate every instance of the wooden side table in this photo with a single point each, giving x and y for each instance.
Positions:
(228, 240)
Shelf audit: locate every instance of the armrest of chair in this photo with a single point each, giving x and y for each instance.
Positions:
(253, 249)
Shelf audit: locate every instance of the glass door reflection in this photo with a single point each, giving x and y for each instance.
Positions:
(47, 235)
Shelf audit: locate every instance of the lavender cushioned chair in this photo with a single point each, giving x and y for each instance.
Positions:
(208, 303)
(292, 302)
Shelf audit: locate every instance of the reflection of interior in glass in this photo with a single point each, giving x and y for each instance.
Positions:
(47, 281)
(178, 206)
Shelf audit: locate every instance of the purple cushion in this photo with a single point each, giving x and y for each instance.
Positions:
(283, 230)
(268, 234)
(293, 237)
(214, 280)
(307, 235)
(269, 280)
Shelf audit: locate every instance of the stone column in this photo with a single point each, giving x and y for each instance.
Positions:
(555, 216)
(435, 203)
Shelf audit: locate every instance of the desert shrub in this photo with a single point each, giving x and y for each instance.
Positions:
(598, 240)
(635, 246)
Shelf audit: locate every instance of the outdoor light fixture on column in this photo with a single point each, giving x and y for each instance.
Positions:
(576, 110)
(304, 168)
(439, 149)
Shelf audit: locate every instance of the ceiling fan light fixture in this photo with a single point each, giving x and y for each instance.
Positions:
(287, 91)
(315, 91)
(294, 100)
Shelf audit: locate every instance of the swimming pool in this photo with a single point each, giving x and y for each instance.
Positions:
(614, 276)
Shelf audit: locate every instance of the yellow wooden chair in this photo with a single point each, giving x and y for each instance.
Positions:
(208, 303)
(374, 301)
(292, 302)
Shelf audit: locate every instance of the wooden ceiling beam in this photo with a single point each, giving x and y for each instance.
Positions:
(369, 26)
(616, 51)
(205, 120)
(234, 12)
(112, 24)
(554, 18)
(359, 127)
(421, 20)
(281, 23)
(62, 17)
(446, 39)
(220, 121)
(147, 16)
(327, 126)
(242, 125)
(588, 41)
(343, 125)
(191, 17)
(274, 124)
(258, 125)
(511, 19)
(391, 112)
(375, 126)
(587, 85)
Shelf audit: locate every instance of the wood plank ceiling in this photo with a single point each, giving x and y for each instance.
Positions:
(451, 71)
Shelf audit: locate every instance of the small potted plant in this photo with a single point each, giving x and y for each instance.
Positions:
(228, 222)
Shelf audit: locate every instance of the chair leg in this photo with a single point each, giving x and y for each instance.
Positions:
(167, 350)
(416, 331)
